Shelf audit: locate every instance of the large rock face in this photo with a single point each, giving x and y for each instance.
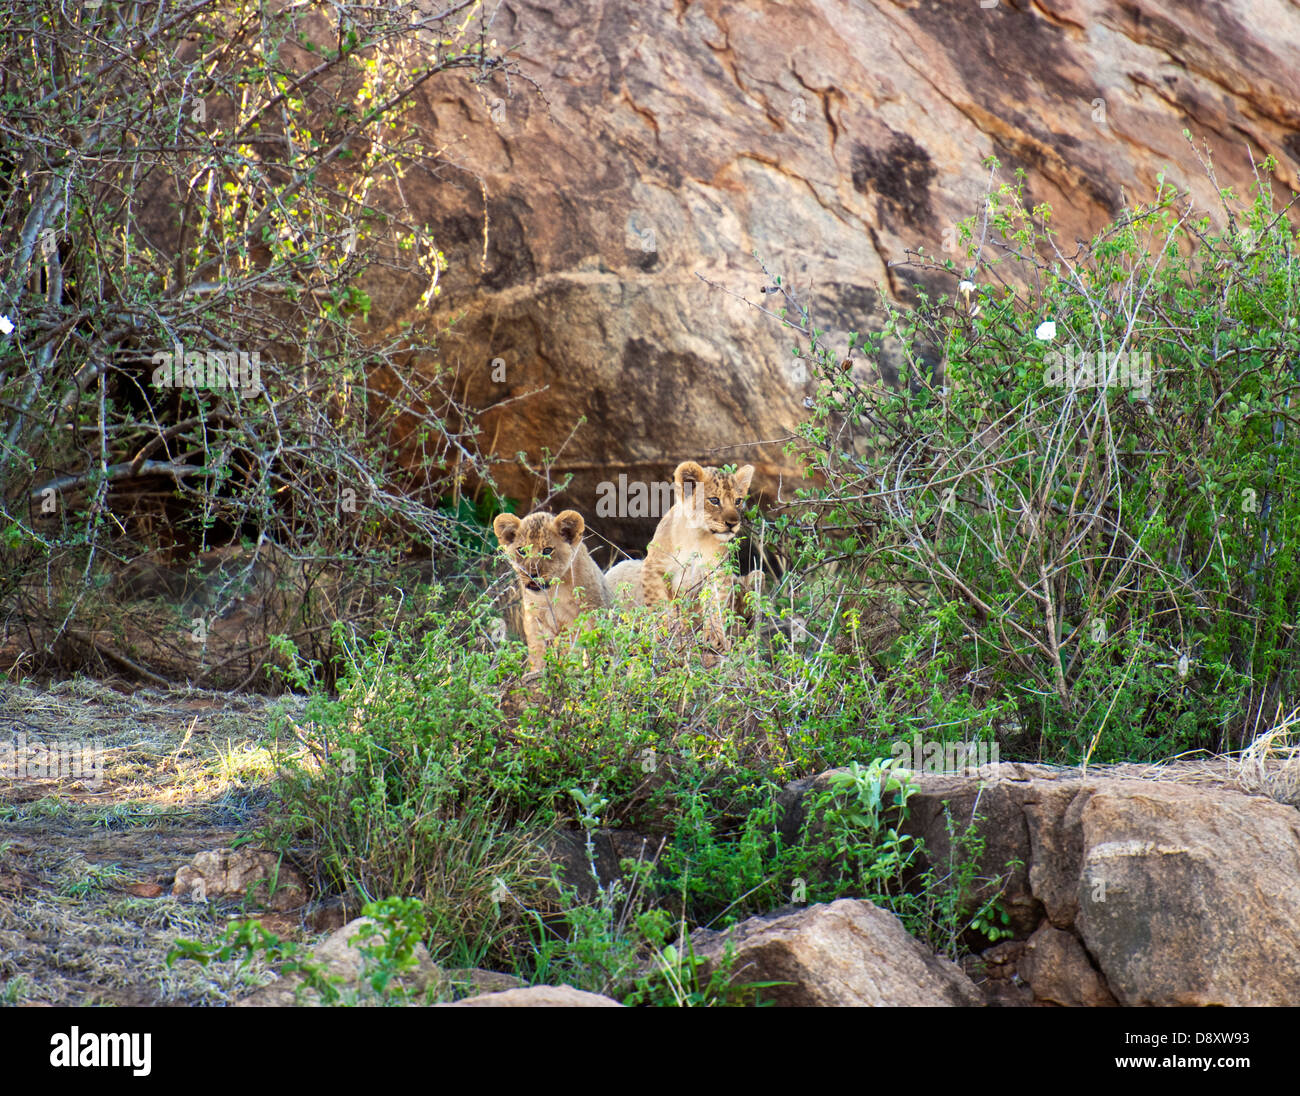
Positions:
(1186, 898)
(1137, 886)
(679, 137)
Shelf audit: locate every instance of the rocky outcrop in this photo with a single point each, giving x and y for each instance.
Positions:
(847, 952)
(678, 137)
(1143, 886)
(1188, 897)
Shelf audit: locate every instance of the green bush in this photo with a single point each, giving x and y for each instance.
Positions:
(437, 773)
(1116, 561)
(220, 182)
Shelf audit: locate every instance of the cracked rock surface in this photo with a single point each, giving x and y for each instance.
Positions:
(677, 137)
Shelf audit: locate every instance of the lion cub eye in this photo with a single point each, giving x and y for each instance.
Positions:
(715, 502)
(547, 552)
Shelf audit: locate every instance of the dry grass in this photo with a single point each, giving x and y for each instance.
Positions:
(182, 771)
(1271, 764)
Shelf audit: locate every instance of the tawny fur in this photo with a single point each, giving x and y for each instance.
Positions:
(686, 557)
(624, 582)
(558, 580)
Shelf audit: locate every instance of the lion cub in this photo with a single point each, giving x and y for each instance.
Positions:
(624, 582)
(690, 544)
(557, 578)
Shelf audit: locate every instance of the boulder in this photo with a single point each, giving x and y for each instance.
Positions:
(567, 850)
(238, 873)
(1189, 896)
(1058, 971)
(848, 952)
(941, 801)
(344, 964)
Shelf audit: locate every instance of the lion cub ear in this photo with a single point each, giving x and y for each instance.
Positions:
(687, 472)
(570, 526)
(742, 477)
(506, 528)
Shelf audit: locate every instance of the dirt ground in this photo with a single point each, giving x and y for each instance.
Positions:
(86, 864)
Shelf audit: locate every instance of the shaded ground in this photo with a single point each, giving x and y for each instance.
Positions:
(86, 865)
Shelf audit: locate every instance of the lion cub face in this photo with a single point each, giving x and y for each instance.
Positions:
(540, 548)
(710, 498)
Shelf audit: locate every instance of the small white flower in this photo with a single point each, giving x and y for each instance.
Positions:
(1046, 331)
(6, 326)
(966, 287)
